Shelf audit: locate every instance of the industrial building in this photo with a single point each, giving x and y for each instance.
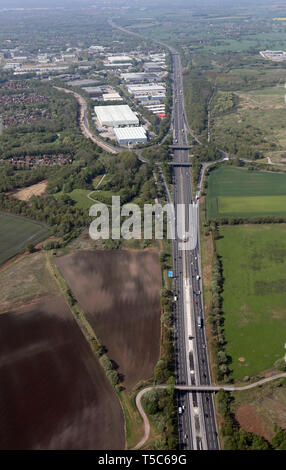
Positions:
(130, 135)
(156, 109)
(117, 115)
(83, 82)
(93, 91)
(277, 56)
(147, 89)
(150, 99)
(118, 65)
(152, 67)
(119, 59)
(140, 77)
(111, 97)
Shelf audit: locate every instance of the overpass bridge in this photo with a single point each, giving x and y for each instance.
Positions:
(181, 147)
(187, 164)
(229, 388)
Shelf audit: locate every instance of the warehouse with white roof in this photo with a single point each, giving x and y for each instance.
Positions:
(119, 58)
(117, 115)
(130, 135)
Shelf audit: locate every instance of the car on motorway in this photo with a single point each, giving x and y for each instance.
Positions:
(185, 436)
(200, 322)
(175, 298)
(180, 410)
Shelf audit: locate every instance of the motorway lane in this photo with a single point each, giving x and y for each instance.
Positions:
(205, 432)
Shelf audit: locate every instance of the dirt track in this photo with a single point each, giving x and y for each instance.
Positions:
(53, 394)
(120, 293)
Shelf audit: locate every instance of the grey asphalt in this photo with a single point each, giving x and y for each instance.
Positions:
(205, 428)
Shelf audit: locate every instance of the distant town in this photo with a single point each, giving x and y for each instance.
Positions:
(140, 79)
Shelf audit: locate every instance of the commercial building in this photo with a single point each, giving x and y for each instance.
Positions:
(117, 115)
(96, 49)
(83, 82)
(150, 99)
(40, 70)
(152, 67)
(111, 97)
(140, 77)
(93, 91)
(114, 59)
(159, 58)
(130, 135)
(156, 108)
(118, 65)
(276, 56)
(147, 89)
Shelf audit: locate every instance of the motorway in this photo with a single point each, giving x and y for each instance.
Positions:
(197, 423)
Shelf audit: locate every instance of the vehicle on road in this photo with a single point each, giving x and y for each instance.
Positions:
(200, 322)
(180, 410)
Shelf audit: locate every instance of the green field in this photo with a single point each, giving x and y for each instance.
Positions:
(243, 193)
(16, 232)
(254, 296)
(82, 201)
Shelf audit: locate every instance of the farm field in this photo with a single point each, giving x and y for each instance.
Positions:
(242, 193)
(54, 394)
(16, 232)
(119, 291)
(258, 205)
(254, 295)
(25, 281)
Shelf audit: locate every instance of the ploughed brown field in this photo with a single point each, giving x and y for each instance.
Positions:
(119, 292)
(54, 394)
